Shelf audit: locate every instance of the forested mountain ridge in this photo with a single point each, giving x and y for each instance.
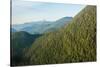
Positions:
(74, 43)
(20, 41)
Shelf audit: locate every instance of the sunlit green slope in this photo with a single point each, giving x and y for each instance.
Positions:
(74, 43)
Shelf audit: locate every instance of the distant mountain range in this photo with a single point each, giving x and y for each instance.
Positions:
(12, 30)
(40, 27)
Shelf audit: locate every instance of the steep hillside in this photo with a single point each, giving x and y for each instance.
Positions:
(76, 42)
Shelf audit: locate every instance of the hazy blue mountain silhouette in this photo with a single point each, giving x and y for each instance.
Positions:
(13, 30)
(40, 27)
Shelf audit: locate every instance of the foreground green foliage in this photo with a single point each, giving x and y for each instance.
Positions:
(76, 42)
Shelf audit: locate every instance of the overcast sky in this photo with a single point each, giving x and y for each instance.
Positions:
(28, 11)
